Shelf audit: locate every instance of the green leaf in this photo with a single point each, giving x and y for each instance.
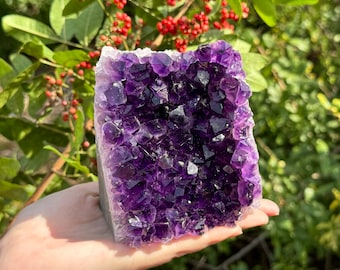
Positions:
(256, 82)
(236, 6)
(37, 98)
(31, 165)
(266, 10)
(26, 74)
(75, 6)
(321, 146)
(13, 191)
(16, 102)
(38, 137)
(89, 23)
(296, 2)
(27, 29)
(37, 49)
(240, 45)
(6, 94)
(13, 85)
(5, 68)
(20, 62)
(253, 62)
(324, 101)
(70, 58)
(9, 168)
(6, 74)
(64, 26)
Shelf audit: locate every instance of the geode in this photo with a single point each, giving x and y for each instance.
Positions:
(175, 147)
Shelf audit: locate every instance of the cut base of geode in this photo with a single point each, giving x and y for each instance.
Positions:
(176, 153)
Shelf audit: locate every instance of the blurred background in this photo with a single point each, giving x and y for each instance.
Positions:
(296, 105)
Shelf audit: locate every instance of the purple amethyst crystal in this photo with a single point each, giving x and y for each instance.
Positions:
(176, 153)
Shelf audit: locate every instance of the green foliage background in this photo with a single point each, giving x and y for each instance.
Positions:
(296, 104)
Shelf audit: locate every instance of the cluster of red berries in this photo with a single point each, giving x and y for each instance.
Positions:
(56, 94)
(119, 30)
(118, 3)
(70, 108)
(228, 14)
(186, 29)
(58, 87)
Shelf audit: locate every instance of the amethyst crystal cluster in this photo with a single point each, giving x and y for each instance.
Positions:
(176, 153)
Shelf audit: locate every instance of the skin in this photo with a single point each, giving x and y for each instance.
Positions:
(67, 230)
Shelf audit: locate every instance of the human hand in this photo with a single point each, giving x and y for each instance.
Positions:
(67, 230)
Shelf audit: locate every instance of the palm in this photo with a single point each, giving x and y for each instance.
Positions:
(67, 230)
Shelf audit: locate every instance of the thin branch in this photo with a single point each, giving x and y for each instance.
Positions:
(157, 42)
(242, 252)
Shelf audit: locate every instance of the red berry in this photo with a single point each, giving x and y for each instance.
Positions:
(75, 102)
(171, 3)
(48, 93)
(59, 82)
(217, 25)
(103, 38)
(65, 116)
(73, 110)
(51, 81)
(86, 144)
(207, 8)
(83, 64)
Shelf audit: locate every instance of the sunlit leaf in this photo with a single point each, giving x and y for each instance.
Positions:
(75, 6)
(70, 58)
(9, 168)
(236, 6)
(256, 81)
(253, 62)
(25, 29)
(88, 23)
(13, 191)
(64, 26)
(20, 62)
(6, 74)
(266, 10)
(37, 49)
